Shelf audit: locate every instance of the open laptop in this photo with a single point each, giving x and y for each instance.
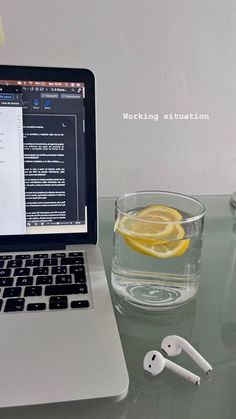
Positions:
(58, 335)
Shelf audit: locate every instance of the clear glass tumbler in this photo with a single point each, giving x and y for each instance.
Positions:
(157, 248)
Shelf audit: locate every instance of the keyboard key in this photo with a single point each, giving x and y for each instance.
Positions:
(80, 254)
(79, 304)
(83, 289)
(32, 262)
(33, 291)
(25, 280)
(6, 282)
(21, 272)
(14, 304)
(40, 271)
(58, 298)
(59, 270)
(12, 292)
(14, 263)
(63, 289)
(40, 256)
(4, 257)
(1, 301)
(77, 269)
(50, 262)
(36, 306)
(72, 261)
(5, 272)
(63, 279)
(2, 263)
(44, 279)
(58, 255)
(80, 278)
(58, 303)
(23, 257)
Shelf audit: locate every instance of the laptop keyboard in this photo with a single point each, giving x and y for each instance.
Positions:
(43, 282)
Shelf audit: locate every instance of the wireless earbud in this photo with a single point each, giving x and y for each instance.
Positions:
(154, 363)
(173, 345)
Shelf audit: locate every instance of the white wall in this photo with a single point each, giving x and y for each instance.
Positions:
(151, 56)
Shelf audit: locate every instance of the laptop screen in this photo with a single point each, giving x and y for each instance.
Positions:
(43, 155)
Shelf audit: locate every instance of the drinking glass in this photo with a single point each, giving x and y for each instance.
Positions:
(157, 245)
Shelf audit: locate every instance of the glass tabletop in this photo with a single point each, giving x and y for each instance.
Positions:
(208, 322)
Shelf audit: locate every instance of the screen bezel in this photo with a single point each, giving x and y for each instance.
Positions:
(39, 241)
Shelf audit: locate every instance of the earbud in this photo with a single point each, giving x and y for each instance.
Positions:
(172, 346)
(154, 363)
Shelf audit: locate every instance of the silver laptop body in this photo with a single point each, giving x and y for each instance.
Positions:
(59, 338)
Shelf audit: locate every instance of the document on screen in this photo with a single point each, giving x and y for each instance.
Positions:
(12, 189)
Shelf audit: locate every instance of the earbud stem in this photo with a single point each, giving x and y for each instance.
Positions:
(196, 356)
(193, 378)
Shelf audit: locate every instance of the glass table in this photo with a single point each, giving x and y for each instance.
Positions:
(208, 322)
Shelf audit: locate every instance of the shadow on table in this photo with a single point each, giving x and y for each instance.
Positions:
(88, 409)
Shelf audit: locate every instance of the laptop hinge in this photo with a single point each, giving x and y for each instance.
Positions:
(27, 247)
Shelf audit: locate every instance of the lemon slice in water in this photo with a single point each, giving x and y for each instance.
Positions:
(171, 246)
(141, 228)
(147, 231)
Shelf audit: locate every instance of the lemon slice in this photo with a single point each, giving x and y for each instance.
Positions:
(146, 224)
(162, 251)
(141, 230)
(172, 246)
(153, 211)
(154, 231)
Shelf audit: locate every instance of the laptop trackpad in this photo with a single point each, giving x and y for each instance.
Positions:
(49, 358)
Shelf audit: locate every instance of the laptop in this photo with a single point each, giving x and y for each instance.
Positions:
(59, 339)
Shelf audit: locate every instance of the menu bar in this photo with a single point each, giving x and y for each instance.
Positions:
(42, 83)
